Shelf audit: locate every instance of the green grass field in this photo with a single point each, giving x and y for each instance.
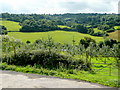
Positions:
(58, 36)
(62, 26)
(97, 30)
(10, 25)
(117, 27)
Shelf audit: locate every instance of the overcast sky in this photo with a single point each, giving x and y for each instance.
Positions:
(59, 6)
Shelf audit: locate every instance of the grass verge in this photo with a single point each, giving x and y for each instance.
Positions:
(111, 81)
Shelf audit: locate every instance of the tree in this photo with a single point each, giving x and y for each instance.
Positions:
(90, 31)
(81, 29)
(3, 30)
(86, 41)
(108, 42)
(104, 27)
(38, 25)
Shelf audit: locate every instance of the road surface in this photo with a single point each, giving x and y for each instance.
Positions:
(12, 79)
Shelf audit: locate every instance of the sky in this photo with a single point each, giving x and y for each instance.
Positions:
(58, 6)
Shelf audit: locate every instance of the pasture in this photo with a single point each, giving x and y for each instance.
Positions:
(62, 26)
(57, 36)
(10, 25)
(117, 27)
(97, 30)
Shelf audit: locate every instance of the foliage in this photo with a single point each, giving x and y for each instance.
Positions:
(93, 19)
(98, 34)
(45, 59)
(108, 42)
(27, 42)
(38, 26)
(86, 41)
(81, 29)
(80, 21)
(104, 27)
(3, 30)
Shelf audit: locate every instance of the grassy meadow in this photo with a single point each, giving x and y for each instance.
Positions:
(58, 36)
(62, 26)
(97, 30)
(117, 27)
(10, 25)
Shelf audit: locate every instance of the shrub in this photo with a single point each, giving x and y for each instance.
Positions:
(98, 34)
(108, 42)
(28, 42)
(46, 59)
(3, 30)
(86, 41)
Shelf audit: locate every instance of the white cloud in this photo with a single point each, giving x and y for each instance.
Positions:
(59, 6)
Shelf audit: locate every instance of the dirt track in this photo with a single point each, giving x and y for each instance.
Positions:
(12, 79)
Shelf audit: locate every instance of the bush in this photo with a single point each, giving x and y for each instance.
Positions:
(46, 59)
(3, 30)
(108, 42)
(98, 34)
(81, 28)
(28, 42)
(86, 41)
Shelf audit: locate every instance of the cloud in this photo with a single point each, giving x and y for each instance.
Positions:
(59, 6)
(91, 6)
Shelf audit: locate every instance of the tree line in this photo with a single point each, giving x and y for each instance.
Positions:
(81, 22)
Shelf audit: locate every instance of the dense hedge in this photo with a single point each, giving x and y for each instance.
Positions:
(46, 59)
